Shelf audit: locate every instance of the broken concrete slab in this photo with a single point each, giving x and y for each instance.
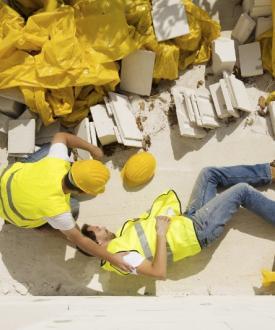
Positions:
(137, 72)
(170, 21)
(263, 24)
(93, 133)
(187, 93)
(11, 108)
(257, 11)
(251, 60)
(228, 99)
(104, 124)
(243, 28)
(206, 109)
(21, 136)
(219, 101)
(4, 123)
(83, 131)
(186, 128)
(238, 93)
(124, 117)
(223, 55)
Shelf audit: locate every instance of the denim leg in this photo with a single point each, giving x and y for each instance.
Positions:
(212, 178)
(39, 154)
(209, 221)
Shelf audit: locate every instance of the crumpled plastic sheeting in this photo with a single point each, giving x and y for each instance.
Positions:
(267, 40)
(64, 59)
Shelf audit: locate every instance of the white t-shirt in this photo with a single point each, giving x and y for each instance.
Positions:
(64, 221)
(134, 259)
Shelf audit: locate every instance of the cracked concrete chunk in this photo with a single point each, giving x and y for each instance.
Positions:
(83, 131)
(137, 72)
(251, 60)
(11, 108)
(263, 24)
(243, 28)
(21, 136)
(223, 55)
(170, 21)
(219, 101)
(104, 124)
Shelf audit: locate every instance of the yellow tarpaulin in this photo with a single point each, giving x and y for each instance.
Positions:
(64, 57)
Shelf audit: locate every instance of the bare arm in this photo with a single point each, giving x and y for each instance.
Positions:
(90, 247)
(157, 268)
(73, 141)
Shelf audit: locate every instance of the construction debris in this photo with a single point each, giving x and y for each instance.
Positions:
(250, 60)
(104, 124)
(263, 24)
(223, 55)
(125, 120)
(271, 110)
(83, 131)
(243, 28)
(22, 130)
(164, 12)
(137, 72)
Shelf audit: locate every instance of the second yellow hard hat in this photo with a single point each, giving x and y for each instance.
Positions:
(139, 169)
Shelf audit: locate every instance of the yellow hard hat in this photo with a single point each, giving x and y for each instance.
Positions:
(90, 176)
(138, 169)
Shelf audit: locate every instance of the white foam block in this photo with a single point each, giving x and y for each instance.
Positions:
(125, 119)
(93, 134)
(238, 93)
(243, 28)
(83, 131)
(223, 55)
(170, 22)
(250, 60)
(137, 72)
(228, 99)
(21, 136)
(271, 108)
(219, 101)
(104, 124)
(206, 110)
(185, 126)
(263, 24)
(4, 123)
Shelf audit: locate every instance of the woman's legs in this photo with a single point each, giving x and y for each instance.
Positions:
(211, 178)
(209, 221)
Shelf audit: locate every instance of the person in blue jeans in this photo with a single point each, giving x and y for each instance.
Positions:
(208, 211)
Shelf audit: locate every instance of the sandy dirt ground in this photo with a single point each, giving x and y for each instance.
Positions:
(40, 262)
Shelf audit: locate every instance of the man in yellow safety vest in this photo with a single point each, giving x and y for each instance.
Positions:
(165, 230)
(38, 191)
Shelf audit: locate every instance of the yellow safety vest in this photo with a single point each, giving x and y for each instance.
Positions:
(29, 192)
(140, 234)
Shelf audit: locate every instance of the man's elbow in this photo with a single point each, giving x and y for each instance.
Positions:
(160, 276)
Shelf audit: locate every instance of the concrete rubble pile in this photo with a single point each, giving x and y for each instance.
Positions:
(197, 110)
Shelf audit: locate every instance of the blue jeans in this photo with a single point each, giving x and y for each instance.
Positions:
(41, 153)
(210, 213)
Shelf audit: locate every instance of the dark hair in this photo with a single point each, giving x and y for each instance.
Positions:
(69, 185)
(90, 234)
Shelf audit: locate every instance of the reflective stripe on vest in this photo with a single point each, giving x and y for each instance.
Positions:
(11, 205)
(143, 241)
(3, 206)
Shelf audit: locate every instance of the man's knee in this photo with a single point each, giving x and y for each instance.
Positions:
(242, 187)
(208, 172)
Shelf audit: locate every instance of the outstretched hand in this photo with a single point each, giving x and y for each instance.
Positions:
(162, 225)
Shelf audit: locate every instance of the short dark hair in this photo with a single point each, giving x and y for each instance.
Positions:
(69, 185)
(88, 233)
